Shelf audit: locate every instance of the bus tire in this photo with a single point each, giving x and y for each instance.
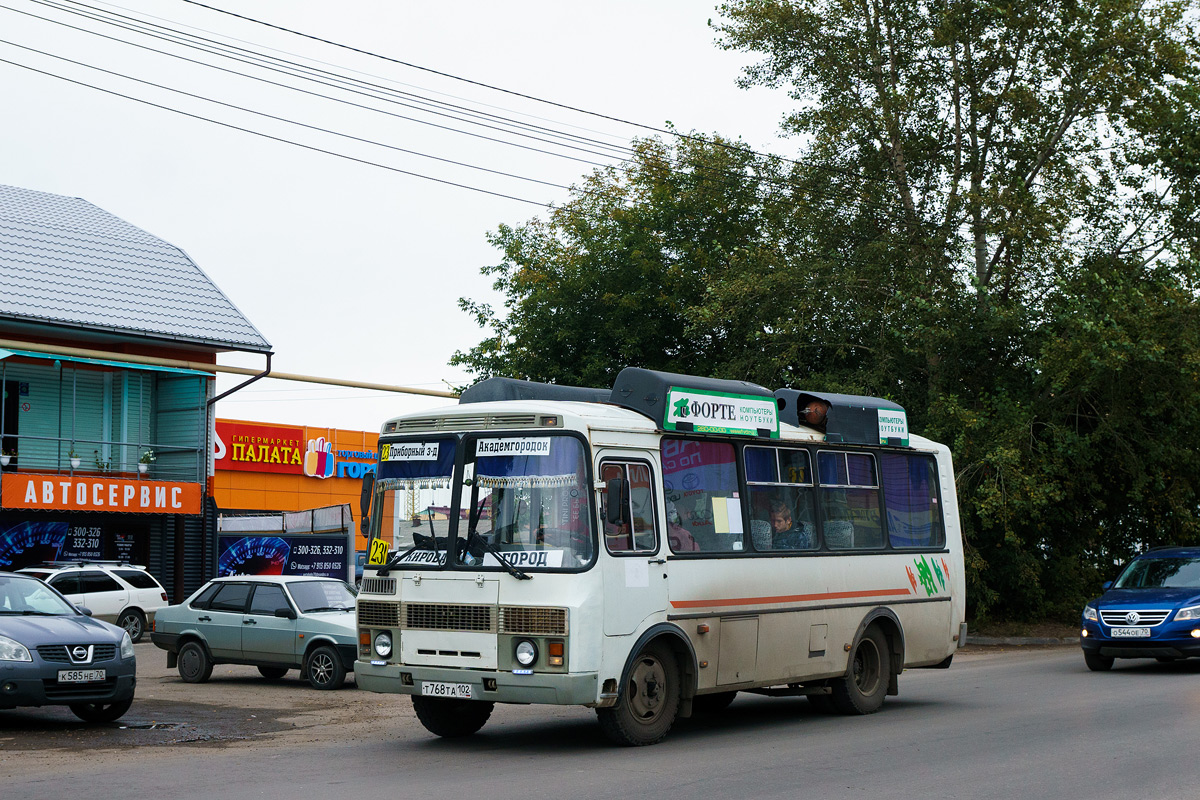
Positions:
(449, 717)
(649, 701)
(863, 689)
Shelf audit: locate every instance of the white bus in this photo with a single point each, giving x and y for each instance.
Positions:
(651, 550)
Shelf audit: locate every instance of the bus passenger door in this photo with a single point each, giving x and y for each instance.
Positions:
(634, 558)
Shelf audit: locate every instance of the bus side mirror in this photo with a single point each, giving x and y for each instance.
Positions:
(617, 494)
(368, 488)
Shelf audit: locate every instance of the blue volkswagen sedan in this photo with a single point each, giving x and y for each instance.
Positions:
(52, 653)
(1152, 610)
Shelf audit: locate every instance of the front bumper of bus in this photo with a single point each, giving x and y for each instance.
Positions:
(577, 689)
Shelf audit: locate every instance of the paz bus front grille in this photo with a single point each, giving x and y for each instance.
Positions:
(449, 617)
(533, 621)
(378, 614)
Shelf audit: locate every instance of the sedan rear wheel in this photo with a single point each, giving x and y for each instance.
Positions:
(194, 664)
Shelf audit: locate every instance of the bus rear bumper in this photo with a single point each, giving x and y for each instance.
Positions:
(495, 686)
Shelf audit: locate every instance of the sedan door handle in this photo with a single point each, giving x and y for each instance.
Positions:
(205, 618)
(249, 622)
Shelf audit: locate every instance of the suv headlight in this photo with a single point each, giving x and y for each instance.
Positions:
(1191, 612)
(11, 650)
(1090, 613)
(126, 646)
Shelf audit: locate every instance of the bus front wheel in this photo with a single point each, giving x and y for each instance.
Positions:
(451, 718)
(649, 701)
(866, 682)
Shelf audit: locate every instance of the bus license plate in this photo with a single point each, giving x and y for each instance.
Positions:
(435, 689)
(80, 675)
(1130, 632)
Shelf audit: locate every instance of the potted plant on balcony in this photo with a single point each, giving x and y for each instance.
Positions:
(75, 460)
(145, 461)
(7, 456)
(101, 464)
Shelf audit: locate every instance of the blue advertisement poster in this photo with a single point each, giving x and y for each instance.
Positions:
(24, 544)
(278, 554)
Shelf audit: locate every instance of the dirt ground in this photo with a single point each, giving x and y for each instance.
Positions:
(235, 704)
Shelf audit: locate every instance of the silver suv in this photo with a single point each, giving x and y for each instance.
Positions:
(114, 591)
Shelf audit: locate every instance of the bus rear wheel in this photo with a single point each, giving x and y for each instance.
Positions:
(451, 718)
(649, 701)
(863, 689)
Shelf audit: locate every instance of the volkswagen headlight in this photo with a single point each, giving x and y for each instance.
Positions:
(1090, 613)
(126, 646)
(383, 644)
(11, 650)
(1191, 612)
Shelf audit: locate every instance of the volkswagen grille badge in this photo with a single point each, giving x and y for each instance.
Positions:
(1132, 618)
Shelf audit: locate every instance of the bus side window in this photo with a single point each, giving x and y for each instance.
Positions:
(635, 533)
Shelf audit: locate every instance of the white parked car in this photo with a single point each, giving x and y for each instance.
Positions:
(124, 594)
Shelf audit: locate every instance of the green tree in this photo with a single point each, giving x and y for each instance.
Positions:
(993, 221)
(608, 279)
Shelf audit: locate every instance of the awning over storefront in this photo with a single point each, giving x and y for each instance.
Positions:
(98, 362)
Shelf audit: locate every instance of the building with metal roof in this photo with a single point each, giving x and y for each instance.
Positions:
(108, 347)
(67, 266)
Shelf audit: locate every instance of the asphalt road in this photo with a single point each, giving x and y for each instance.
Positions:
(1000, 723)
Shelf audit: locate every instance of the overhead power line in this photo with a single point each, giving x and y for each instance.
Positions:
(665, 131)
(271, 137)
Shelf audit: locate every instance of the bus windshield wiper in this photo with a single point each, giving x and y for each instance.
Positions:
(420, 542)
(475, 538)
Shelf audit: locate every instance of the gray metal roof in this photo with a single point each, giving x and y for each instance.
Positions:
(64, 261)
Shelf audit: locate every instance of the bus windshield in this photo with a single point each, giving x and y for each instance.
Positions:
(528, 503)
(409, 474)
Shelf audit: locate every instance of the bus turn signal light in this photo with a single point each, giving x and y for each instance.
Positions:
(556, 653)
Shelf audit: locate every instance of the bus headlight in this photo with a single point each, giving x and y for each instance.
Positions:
(383, 644)
(526, 652)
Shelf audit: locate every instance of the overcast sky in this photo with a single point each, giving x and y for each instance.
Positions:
(352, 270)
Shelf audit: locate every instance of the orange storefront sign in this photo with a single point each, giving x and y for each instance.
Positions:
(260, 448)
(59, 493)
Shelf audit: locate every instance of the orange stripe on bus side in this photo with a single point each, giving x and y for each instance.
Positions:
(791, 598)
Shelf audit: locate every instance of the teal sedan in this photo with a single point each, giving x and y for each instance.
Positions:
(273, 622)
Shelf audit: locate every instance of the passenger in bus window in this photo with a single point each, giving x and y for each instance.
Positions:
(677, 536)
(785, 534)
(815, 413)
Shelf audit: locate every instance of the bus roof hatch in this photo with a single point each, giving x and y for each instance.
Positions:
(851, 418)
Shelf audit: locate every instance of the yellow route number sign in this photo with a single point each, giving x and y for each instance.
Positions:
(379, 552)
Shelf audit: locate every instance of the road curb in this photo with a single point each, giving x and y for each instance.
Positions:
(1017, 641)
